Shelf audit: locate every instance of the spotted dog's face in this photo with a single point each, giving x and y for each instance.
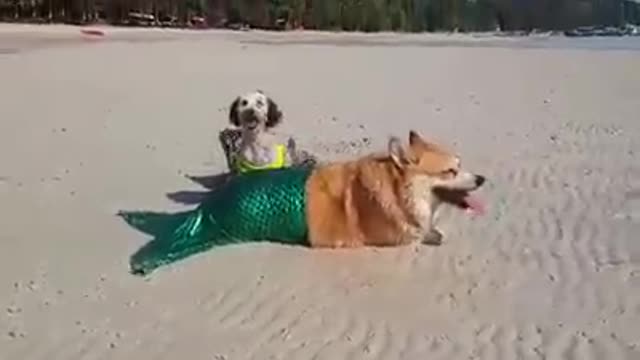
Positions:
(254, 112)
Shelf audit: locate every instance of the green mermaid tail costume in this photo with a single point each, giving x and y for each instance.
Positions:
(266, 205)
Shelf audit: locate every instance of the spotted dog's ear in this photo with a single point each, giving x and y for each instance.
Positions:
(234, 119)
(274, 115)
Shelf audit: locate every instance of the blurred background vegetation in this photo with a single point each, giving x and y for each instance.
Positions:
(346, 15)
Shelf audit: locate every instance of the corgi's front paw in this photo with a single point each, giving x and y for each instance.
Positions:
(434, 237)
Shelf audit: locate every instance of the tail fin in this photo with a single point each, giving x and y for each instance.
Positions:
(176, 236)
(266, 205)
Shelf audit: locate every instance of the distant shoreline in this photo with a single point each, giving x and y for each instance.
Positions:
(43, 33)
(495, 33)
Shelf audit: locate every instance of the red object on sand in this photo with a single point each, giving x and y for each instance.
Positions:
(93, 32)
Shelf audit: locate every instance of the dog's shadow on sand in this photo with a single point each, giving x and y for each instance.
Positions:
(210, 182)
(162, 223)
(158, 224)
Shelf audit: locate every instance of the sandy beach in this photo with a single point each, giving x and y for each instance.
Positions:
(94, 126)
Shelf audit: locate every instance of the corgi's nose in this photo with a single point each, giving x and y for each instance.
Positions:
(480, 180)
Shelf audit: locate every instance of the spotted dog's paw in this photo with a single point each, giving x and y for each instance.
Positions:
(300, 157)
(230, 143)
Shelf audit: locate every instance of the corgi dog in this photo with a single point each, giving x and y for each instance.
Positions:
(387, 199)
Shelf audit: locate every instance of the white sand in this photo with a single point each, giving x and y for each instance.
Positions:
(90, 128)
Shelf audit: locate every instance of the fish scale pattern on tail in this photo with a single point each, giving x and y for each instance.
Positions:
(267, 205)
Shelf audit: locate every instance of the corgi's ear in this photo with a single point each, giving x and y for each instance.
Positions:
(415, 138)
(397, 152)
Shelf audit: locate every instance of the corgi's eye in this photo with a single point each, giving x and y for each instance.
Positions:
(244, 102)
(452, 172)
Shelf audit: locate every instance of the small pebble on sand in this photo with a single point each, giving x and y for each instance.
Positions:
(14, 334)
(32, 286)
(13, 310)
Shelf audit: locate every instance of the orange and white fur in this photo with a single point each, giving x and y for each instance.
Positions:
(387, 199)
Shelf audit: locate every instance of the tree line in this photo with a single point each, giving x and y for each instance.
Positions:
(346, 15)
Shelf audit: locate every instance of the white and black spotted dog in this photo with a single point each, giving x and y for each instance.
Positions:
(251, 144)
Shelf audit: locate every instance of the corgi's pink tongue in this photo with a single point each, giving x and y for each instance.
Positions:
(475, 205)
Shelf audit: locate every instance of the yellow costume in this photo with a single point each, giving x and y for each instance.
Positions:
(244, 166)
